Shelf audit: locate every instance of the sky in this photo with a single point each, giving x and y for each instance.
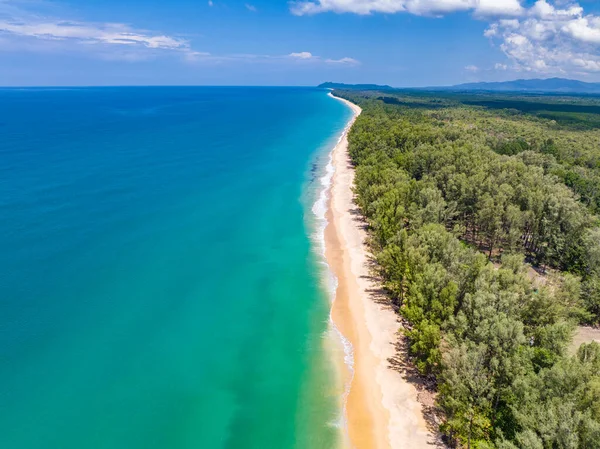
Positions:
(402, 43)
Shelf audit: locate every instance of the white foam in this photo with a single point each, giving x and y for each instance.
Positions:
(330, 281)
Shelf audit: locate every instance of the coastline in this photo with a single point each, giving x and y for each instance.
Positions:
(382, 410)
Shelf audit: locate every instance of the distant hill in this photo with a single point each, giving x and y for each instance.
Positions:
(550, 85)
(343, 86)
(532, 85)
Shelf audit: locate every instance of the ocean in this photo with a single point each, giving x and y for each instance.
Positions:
(162, 282)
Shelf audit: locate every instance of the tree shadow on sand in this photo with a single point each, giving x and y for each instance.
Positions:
(358, 218)
(425, 386)
(401, 361)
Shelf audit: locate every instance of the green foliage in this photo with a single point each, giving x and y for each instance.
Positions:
(425, 346)
(591, 298)
(448, 187)
(559, 408)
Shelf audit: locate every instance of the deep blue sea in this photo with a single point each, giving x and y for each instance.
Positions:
(160, 285)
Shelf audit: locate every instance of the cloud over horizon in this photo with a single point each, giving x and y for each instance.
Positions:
(501, 39)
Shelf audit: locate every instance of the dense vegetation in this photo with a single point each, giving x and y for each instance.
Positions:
(458, 194)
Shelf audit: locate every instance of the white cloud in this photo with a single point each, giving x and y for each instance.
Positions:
(550, 39)
(499, 66)
(340, 6)
(346, 61)
(499, 8)
(585, 29)
(301, 55)
(472, 68)
(32, 26)
(307, 56)
(89, 33)
(418, 7)
(250, 7)
(194, 56)
(544, 10)
(210, 3)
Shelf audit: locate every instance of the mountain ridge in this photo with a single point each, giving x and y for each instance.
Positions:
(533, 85)
(540, 85)
(331, 85)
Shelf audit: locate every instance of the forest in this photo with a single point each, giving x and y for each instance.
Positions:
(482, 214)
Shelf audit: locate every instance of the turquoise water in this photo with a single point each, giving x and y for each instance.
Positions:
(159, 283)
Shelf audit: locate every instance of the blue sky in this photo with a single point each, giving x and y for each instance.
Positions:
(272, 42)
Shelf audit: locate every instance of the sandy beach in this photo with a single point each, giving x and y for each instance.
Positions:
(382, 409)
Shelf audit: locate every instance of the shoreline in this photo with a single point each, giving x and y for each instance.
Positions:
(382, 410)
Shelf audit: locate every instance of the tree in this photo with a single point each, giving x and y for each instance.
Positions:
(467, 393)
